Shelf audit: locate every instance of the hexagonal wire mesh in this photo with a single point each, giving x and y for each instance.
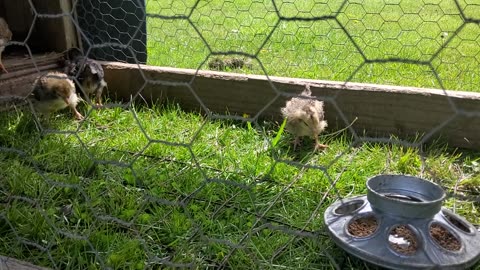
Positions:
(133, 186)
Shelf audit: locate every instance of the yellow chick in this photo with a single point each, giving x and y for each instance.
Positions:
(305, 117)
(54, 91)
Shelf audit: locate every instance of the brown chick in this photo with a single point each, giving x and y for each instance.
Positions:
(52, 92)
(305, 117)
(5, 37)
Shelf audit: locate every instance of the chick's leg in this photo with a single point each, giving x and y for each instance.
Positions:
(296, 143)
(2, 67)
(98, 99)
(98, 96)
(77, 115)
(318, 145)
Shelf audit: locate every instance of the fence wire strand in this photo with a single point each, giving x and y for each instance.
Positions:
(120, 191)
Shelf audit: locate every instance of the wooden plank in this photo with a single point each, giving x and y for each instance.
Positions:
(22, 72)
(17, 64)
(14, 264)
(381, 110)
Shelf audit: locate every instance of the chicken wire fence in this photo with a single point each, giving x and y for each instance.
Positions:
(118, 190)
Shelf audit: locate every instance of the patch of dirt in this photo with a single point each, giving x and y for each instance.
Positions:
(363, 226)
(229, 63)
(444, 238)
(403, 240)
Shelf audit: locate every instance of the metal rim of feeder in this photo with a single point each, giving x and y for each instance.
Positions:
(405, 196)
(425, 227)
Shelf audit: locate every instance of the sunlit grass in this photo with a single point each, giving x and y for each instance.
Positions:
(159, 187)
(115, 195)
(423, 41)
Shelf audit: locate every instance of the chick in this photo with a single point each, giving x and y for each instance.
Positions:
(90, 73)
(305, 117)
(5, 37)
(52, 92)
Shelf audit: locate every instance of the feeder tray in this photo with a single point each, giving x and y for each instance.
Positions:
(401, 224)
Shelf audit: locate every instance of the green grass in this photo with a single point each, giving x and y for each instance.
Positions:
(113, 194)
(432, 33)
(159, 187)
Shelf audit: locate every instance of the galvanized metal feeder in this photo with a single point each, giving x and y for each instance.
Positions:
(401, 224)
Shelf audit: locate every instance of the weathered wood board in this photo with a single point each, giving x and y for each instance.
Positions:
(23, 71)
(14, 264)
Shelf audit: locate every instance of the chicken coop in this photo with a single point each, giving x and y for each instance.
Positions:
(43, 31)
(189, 162)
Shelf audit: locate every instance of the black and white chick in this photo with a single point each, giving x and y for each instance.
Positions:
(305, 117)
(91, 76)
(52, 92)
(5, 37)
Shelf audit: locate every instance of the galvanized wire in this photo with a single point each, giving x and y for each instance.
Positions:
(357, 34)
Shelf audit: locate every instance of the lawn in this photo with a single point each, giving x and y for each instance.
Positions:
(184, 189)
(409, 42)
(136, 187)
